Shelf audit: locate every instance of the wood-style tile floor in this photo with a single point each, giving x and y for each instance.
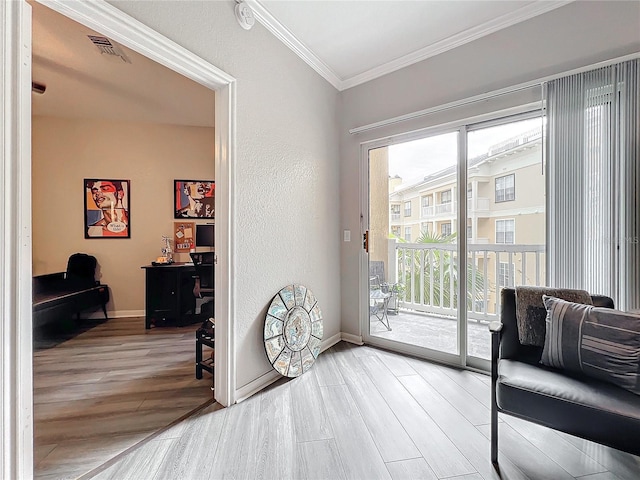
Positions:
(363, 414)
(107, 388)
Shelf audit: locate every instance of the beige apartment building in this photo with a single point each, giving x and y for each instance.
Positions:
(505, 219)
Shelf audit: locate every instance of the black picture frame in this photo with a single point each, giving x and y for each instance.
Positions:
(107, 211)
(194, 199)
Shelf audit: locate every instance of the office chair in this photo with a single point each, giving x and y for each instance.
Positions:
(204, 278)
(204, 288)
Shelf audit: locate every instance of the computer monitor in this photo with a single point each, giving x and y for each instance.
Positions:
(205, 235)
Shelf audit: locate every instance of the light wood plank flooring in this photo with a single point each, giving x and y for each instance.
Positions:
(108, 388)
(363, 413)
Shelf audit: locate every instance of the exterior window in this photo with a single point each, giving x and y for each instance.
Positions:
(407, 209)
(505, 231)
(395, 230)
(426, 201)
(506, 188)
(407, 234)
(426, 227)
(469, 190)
(469, 232)
(395, 212)
(445, 229)
(506, 274)
(445, 197)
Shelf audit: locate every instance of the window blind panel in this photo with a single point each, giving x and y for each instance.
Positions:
(629, 172)
(593, 151)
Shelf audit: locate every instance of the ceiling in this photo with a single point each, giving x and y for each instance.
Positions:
(82, 82)
(347, 42)
(352, 42)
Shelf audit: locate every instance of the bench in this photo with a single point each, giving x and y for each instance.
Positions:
(573, 403)
(59, 295)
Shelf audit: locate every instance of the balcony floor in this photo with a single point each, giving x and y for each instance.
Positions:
(436, 333)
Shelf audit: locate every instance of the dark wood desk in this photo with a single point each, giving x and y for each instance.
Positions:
(169, 298)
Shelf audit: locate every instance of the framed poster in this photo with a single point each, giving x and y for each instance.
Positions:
(106, 208)
(194, 198)
(184, 234)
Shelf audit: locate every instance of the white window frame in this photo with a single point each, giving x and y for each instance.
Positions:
(442, 225)
(407, 211)
(450, 197)
(506, 274)
(505, 190)
(504, 221)
(407, 234)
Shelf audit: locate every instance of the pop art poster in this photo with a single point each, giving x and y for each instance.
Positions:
(106, 208)
(194, 198)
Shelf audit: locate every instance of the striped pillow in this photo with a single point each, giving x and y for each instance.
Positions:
(600, 342)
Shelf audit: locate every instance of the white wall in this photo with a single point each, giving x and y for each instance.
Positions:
(151, 156)
(576, 35)
(287, 166)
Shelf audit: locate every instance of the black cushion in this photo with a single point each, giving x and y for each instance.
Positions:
(81, 270)
(577, 405)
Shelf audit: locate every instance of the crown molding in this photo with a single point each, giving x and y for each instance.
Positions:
(281, 32)
(290, 40)
(487, 28)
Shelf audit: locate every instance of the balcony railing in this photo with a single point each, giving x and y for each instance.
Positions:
(427, 211)
(428, 274)
(445, 208)
(481, 205)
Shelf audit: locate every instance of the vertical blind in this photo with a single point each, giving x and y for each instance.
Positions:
(593, 155)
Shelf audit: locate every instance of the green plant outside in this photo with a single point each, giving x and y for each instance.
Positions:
(439, 269)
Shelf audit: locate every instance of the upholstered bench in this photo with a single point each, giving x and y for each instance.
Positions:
(567, 401)
(61, 294)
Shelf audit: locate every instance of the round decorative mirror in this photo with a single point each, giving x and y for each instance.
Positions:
(293, 330)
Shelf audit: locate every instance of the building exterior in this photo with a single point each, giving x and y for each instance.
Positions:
(505, 218)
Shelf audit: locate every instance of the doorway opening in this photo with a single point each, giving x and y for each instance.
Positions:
(106, 19)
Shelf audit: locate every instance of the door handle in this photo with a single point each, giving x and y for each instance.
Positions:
(365, 241)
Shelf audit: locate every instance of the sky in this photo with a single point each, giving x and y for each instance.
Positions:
(414, 160)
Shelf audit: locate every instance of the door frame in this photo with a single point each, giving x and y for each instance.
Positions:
(438, 356)
(15, 216)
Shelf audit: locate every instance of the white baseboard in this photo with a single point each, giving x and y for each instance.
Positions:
(356, 339)
(330, 342)
(256, 385)
(268, 378)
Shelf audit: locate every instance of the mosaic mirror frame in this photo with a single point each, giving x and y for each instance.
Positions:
(293, 330)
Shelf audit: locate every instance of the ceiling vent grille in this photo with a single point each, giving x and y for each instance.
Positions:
(108, 47)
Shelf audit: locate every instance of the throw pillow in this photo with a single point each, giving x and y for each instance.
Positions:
(531, 312)
(600, 342)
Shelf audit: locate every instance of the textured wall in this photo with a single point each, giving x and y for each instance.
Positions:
(287, 165)
(578, 34)
(66, 151)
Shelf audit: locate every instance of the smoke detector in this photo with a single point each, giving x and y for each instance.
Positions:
(244, 15)
(107, 47)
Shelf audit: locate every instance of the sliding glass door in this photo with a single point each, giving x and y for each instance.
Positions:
(419, 246)
(505, 220)
(412, 243)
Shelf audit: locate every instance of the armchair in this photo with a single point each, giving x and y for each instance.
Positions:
(567, 401)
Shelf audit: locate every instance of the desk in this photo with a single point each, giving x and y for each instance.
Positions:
(380, 312)
(169, 295)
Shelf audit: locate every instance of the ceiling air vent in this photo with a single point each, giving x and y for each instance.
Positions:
(108, 47)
